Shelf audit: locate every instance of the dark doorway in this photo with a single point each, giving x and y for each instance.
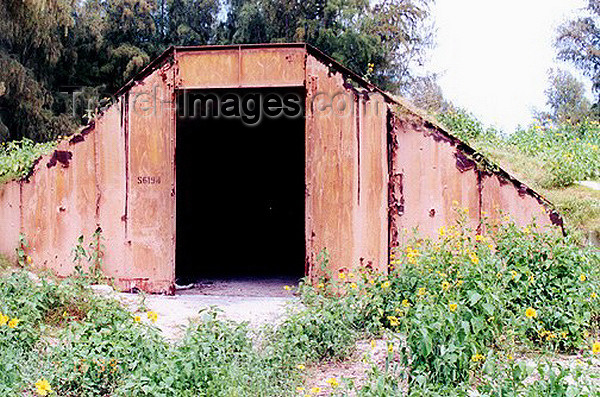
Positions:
(240, 184)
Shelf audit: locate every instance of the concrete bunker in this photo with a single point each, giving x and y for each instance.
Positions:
(349, 175)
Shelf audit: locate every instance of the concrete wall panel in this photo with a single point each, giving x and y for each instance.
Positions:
(111, 175)
(61, 200)
(430, 182)
(346, 175)
(10, 219)
(241, 67)
(151, 190)
(499, 194)
(371, 215)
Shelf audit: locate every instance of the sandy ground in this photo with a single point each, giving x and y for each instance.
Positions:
(590, 184)
(353, 372)
(257, 302)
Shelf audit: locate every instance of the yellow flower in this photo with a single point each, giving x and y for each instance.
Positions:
(491, 246)
(353, 286)
(473, 257)
(13, 323)
(479, 237)
(43, 387)
(510, 357)
(459, 282)
(477, 357)
(593, 295)
(341, 275)
(152, 316)
(445, 286)
(393, 321)
(351, 275)
(442, 231)
(526, 230)
(386, 284)
(405, 303)
(137, 319)
(596, 348)
(3, 319)
(29, 260)
(315, 390)
(390, 348)
(300, 389)
(531, 312)
(583, 278)
(452, 307)
(421, 291)
(320, 285)
(373, 344)
(301, 367)
(514, 274)
(287, 287)
(332, 382)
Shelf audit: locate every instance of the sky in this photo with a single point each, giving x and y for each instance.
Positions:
(493, 56)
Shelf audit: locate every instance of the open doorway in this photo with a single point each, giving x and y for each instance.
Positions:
(240, 184)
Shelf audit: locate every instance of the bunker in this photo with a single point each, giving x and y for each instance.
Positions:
(251, 160)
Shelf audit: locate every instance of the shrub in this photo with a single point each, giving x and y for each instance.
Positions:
(462, 296)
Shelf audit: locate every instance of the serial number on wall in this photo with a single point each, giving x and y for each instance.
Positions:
(148, 180)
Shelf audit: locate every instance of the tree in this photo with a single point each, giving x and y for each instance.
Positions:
(566, 97)
(387, 37)
(97, 45)
(578, 42)
(31, 45)
(426, 93)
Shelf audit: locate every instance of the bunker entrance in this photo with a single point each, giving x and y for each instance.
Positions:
(240, 184)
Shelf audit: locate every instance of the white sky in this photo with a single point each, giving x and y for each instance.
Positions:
(493, 56)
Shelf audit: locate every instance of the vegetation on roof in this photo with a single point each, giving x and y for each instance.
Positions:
(549, 157)
(17, 158)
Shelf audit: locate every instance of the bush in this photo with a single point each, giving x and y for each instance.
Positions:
(17, 158)
(462, 297)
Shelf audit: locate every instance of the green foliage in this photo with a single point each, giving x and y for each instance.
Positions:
(96, 354)
(323, 330)
(568, 152)
(216, 358)
(465, 126)
(577, 41)
(453, 310)
(89, 262)
(566, 98)
(17, 158)
(463, 297)
(21, 249)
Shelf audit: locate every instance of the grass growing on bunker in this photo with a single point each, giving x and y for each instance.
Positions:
(550, 158)
(17, 158)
